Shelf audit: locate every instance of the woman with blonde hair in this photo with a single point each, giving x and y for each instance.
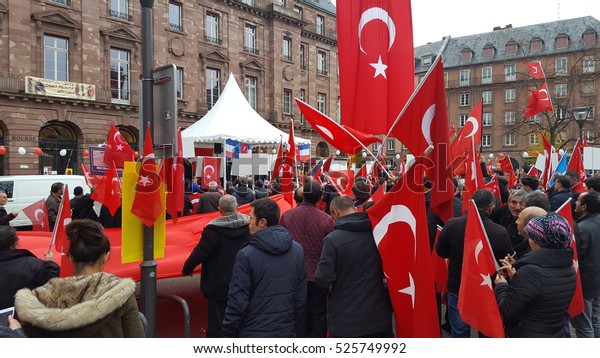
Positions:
(89, 304)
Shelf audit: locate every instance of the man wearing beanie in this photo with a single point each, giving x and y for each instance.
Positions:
(534, 301)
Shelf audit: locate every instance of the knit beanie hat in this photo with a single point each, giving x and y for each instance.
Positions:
(551, 231)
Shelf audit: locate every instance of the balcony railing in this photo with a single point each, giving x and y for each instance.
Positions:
(321, 72)
(120, 15)
(62, 2)
(287, 57)
(212, 39)
(252, 50)
(175, 27)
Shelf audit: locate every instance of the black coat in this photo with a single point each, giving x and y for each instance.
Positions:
(5, 218)
(82, 207)
(558, 199)
(588, 254)
(350, 265)
(22, 269)
(452, 241)
(502, 216)
(267, 294)
(221, 240)
(535, 303)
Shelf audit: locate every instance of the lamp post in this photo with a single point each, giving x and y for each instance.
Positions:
(581, 114)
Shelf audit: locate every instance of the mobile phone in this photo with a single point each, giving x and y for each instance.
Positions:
(4, 313)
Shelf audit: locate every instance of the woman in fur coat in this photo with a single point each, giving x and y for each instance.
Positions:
(89, 304)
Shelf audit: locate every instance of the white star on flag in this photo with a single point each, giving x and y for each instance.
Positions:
(379, 68)
(410, 290)
(144, 180)
(119, 146)
(576, 265)
(487, 281)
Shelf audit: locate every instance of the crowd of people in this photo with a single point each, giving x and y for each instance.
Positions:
(315, 270)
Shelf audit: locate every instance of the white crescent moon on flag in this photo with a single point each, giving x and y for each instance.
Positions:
(326, 131)
(426, 123)
(478, 249)
(398, 213)
(376, 13)
(546, 92)
(473, 121)
(39, 211)
(212, 171)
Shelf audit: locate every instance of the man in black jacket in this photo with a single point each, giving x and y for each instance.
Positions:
(5, 217)
(351, 267)
(451, 244)
(82, 206)
(587, 324)
(221, 240)
(507, 216)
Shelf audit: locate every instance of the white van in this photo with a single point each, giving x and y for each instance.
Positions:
(24, 190)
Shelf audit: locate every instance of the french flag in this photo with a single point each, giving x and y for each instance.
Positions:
(231, 147)
(304, 150)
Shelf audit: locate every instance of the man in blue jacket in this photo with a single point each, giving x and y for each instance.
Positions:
(267, 293)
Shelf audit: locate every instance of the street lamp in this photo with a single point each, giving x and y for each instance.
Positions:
(581, 114)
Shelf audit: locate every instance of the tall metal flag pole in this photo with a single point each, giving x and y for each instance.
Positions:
(148, 266)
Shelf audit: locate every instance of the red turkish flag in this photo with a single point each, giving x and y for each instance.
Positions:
(494, 187)
(36, 212)
(507, 168)
(539, 100)
(476, 299)
(473, 179)
(470, 134)
(117, 149)
(576, 165)
(345, 139)
(577, 305)
(535, 69)
(533, 171)
(378, 194)
(278, 162)
(584, 142)
(376, 62)
(147, 201)
(440, 266)
(551, 160)
(174, 177)
(400, 230)
(108, 191)
(327, 164)
(362, 172)
(489, 166)
(63, 218)
(210, 170)
(91, 180)
(342, 181)
(452, 130)
(291, 154)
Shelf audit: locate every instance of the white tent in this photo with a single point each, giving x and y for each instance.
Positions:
(232, 117)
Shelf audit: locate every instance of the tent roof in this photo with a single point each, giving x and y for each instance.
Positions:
(232, 117)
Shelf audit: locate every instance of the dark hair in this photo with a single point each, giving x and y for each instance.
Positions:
(563, 181)
(312, 192)
(483, 198)
(593, 183)
(361, 191)
(530, 181)
(592, 202)
(571, 174)
(342, 202)
(266, 208)
(538, 199)
(298, 195)
(87, 242)
(56, 187)
(77, 191)
(8, 237)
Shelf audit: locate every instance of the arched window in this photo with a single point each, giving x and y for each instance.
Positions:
(54, 137)
(322, 150)
(131, 135)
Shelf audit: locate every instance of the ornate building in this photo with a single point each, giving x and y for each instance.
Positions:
(68, 68)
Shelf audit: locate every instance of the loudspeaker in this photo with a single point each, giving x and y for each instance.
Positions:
(218, 148)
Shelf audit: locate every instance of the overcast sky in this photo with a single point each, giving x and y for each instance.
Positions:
(434, 19)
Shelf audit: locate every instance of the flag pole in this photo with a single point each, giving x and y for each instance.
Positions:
(412, 96)
(486, 235)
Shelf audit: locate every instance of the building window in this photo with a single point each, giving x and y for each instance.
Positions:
(321, 102)
(62, 2)
(509, 117)
(464, 99)
(321, 63)
(512, 49)
(303, 57)
(466, 55)
(589, 65)
(562, 42)
(375, 147)
(589, 38)
(287, 48)
(119, 75)
(534, 139)
(510, 73)
(248, 2)
(179, 82)
(338, 111)
(536, 45)
(391, 144)
(464, 77)
(462, 119)
(56, 58)
(560, 90)
(591, 115)
(486, 119)
(119, 9)
(298, 10)
(488, 52)
(486, 140)
(426, 60)
(250, 90)
(175, 19)
(561, 113)
(445, 79)
(320, 25)
(535, 119)
(588, 87)
(487, 97)
(590, 135)
(509, 139)
(213, 86)
(486, 75)
(250, 39)
(303, 98)
(287, 101)
(561, 66)
(509, 95)
(212, 29)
